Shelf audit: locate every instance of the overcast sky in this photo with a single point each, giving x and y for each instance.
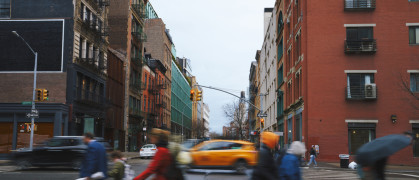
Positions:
(220, 37)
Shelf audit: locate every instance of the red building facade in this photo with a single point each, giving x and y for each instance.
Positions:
(350, 74)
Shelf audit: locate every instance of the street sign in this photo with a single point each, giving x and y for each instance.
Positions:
(27, 103)
(262, 115)
(34, 113)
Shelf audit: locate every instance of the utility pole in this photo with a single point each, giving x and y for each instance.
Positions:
(34, 112)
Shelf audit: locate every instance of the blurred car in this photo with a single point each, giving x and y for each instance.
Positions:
(57, 151)
(190, 143)
(105, 144)
(224, 154)
(148, 150)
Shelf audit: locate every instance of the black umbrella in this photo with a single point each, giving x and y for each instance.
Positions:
(381, 148)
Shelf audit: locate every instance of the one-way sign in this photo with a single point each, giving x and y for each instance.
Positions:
(34, 113)
(262, 115)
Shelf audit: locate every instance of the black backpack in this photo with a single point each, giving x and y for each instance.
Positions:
(174, 172)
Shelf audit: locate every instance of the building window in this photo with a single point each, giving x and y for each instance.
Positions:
(359, 134)
(280, 22)
(298, 46)
(415, 131)
(298, 127)
(280, 50)
(280, 105)
(297, 85)
(280, 75)
(414, 82)
(360, 39)
(289, 129)
(356, 85)
(4, 8)
(414, 35)
(288, 64)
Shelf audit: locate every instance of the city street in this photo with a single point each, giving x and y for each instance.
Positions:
(139, 165)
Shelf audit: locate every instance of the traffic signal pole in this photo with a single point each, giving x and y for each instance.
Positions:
(34, 87)
(33, 100)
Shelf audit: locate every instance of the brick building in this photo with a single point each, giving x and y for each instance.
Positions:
(71, 41)
(114, 126)
(127, 36)
(160, 46)
(343, 78)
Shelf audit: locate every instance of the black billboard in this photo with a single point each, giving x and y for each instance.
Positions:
(44, 36)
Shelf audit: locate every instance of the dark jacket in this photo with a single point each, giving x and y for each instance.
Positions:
(159, 165)
(313, 152)
(95, 160)
(265, 168)
(290, 168)
(117, 171)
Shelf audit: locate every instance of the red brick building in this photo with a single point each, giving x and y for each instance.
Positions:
(127, 36)
(344, 66)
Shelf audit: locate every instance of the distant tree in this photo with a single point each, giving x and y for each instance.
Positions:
(236, 113)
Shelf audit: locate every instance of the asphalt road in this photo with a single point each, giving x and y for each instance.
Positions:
(140, 165)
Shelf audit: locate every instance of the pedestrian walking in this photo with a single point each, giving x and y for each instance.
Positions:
(290, 166)
(162, 159)
(265, 169)
(118, 169)
(280, 153)
(95, 162)
(313, 155)
(372, 157)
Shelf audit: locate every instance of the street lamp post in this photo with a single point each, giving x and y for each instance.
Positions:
(34, 87)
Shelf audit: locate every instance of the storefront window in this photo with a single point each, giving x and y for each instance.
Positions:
(359, 134)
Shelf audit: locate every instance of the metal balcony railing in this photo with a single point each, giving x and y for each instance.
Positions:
(91, 64)
(139, 9)
(141, 36)
(136, 87)
(136, 112)
(361, 46)
(359, 5)
(162, 86)
(359, 93)
(89, 97)
(136, 61)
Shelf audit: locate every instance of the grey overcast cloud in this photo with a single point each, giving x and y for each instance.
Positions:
(220, 37)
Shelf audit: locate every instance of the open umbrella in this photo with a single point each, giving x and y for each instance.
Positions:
(381, 148)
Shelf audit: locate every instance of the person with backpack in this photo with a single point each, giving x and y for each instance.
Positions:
(313, 155)
(162, 159)
(290, 165)
(265, 168)
(118, 169)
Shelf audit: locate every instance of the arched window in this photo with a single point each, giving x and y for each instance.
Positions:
(280, 22)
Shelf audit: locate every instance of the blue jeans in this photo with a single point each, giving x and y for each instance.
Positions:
(312, 159)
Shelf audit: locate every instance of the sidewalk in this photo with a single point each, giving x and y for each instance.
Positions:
(394, 168)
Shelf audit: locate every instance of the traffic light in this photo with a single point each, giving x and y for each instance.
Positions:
(199, 96)
(262, 122)
(192, 95)
(38, 93)
(44, 94)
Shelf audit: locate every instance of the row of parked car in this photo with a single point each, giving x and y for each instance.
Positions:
(70, 150)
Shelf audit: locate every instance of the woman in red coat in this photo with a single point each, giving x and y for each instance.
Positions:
(161, 160)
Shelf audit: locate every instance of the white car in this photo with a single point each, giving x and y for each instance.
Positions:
(148, 150)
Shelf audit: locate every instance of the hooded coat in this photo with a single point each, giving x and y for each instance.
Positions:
(266, 165)
(290, 166)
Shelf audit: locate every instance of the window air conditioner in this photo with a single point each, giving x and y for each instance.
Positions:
(370, 91)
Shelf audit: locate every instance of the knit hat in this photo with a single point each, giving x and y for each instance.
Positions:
(270, 139)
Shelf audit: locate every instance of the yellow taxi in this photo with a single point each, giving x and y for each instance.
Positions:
(238, 155)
